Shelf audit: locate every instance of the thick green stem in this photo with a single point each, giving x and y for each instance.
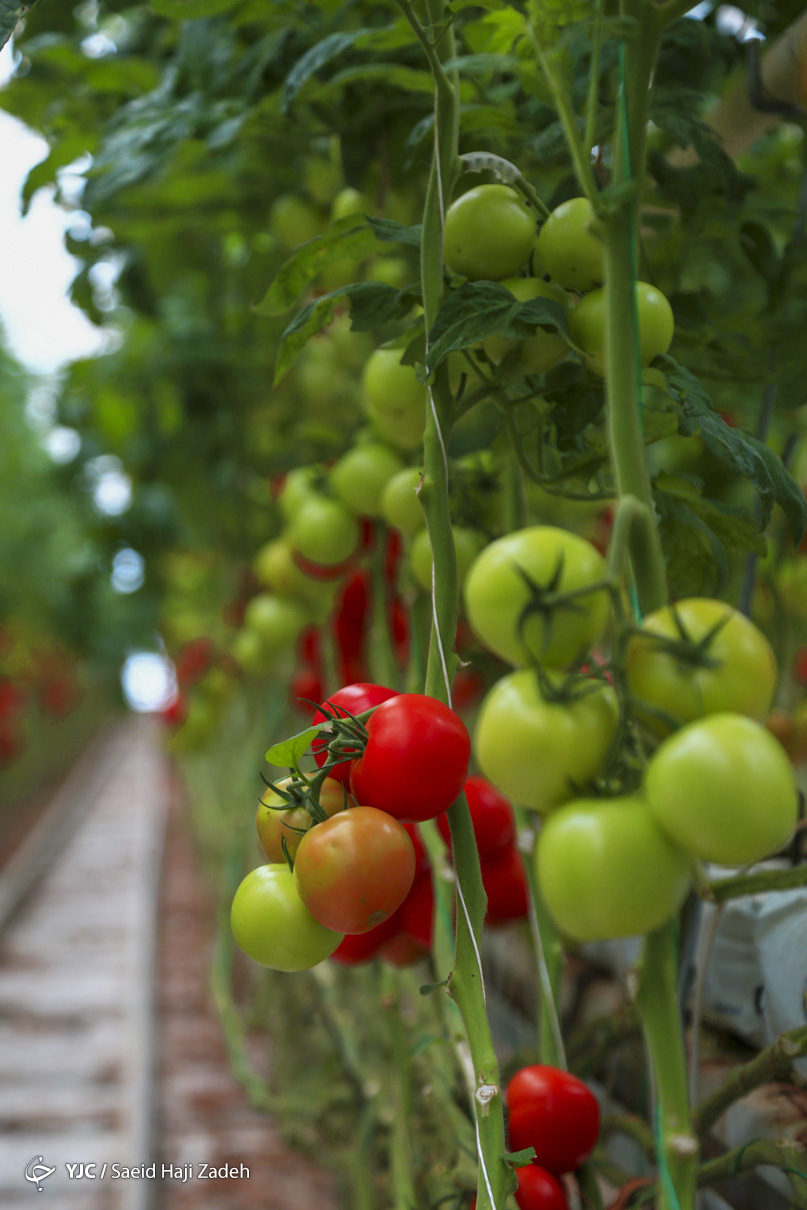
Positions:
(465, 981)
(657, 1000)
(623, 391)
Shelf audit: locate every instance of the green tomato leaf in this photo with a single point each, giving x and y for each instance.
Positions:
(696, 558)
(12, 12)
(518, 1159)
(351, 237)
(392, 232)
(372, 304)
(736, 449)
(286, 755)
(315, 58)
(479, 309)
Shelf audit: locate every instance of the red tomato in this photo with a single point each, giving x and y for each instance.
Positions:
(193, 661)
(555, 1113)
(417, 911)
(421, 856)
(491, 815)
(351, 622)
(400, 630)
(506, 887)
(393, 553)
(468, 688)
(309, 646)
(351, 699)
(305, 686)
(175, 713)
(800, 665)
(401, 950)
(416, 759)
(12, 697)
(363, 947)
(355, 869)
(366, 534)
(539, 1190)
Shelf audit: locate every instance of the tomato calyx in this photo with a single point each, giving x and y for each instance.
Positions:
(685, 649)
(546, 600)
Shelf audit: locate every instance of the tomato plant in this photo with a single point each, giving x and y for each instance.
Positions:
(273, 927)
(554, 1112)
(724, 789)
(467, 543)
(416, 759)
(355, 869)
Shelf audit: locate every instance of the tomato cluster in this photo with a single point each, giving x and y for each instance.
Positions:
(359, 868)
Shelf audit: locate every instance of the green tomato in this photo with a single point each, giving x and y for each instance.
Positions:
(606, 869)
(297, 488)
(394, 399)
(737, 671)
(360, 476)
(467, 543)
(295, 221)
(350, 202)
(352, 348)
(656, 326)
(323, 177)
(723, 788)
(497, 596)
(400, 504)
(275, 568)
(489, 233)
(543, 350)
(276, 620)
(273, 927)
(571, 254)
(324, 531)
(541, 753)
(392, 270)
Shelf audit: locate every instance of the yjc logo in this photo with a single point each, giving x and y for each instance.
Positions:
(37, 1172)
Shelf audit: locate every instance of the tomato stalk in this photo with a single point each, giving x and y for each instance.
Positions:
(465, 982)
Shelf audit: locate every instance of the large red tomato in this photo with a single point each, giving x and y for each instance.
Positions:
(355, 869)
(416, 759)
(491, 816)
(555, 1113)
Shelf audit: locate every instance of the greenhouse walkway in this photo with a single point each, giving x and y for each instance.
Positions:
(115, 1092)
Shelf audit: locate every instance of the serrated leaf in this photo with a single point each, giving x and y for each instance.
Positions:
(351, 237)
(476, 430)
(392, 232)
(696, 558)
(736, 449)
(733, 525)
(287, 754)
(373, 304)
(315, 58)
(479, 309)
(391, 75)
(479, 64)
